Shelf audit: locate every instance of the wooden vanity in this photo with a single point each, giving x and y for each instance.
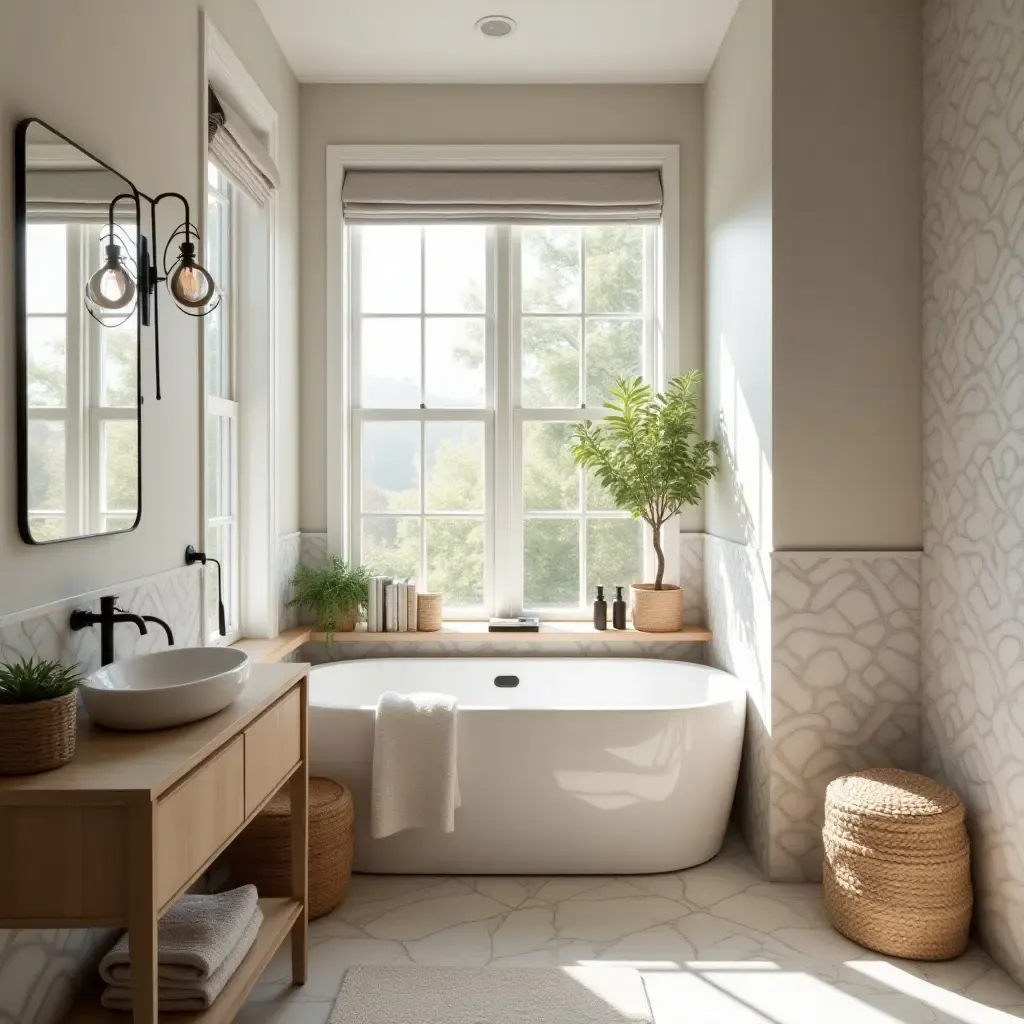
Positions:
(117, 835)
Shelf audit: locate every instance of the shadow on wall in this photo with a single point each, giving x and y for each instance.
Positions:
(738, 581)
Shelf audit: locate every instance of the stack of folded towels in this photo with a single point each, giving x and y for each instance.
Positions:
(201, 941)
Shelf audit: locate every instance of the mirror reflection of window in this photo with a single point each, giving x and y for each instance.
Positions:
(81, 388)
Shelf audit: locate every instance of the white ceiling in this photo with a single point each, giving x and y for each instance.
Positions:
(556, 40)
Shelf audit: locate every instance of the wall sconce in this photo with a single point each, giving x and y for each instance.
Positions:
(121, 284)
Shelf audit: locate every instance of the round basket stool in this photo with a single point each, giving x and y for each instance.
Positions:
(261, 855)
(897, 872)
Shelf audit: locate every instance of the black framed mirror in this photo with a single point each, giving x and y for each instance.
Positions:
(78, 380)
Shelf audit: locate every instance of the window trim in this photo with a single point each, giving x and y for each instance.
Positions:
(256, 366)
(339, 341)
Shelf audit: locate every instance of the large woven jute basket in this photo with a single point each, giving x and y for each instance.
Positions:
(37, 737)
(261, 855)
(429, 612)
(897, 872)
(657, 611)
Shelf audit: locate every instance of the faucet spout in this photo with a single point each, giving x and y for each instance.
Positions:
(160, 622)
(139, 621)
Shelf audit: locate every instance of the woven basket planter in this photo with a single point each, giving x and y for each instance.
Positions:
(657, 611)
(261, 855)
(37, 737)
(897, 872)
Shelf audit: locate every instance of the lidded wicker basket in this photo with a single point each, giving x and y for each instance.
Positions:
(897, 873)
(37, 737)
(261, 855)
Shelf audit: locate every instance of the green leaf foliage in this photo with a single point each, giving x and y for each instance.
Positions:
(648, 455)
(332, 594)
(30, 680)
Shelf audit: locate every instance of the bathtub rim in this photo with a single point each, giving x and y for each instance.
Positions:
(735, 691)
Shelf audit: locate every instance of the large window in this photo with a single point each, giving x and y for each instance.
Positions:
(222, 539)
(82, 402)
(474, 348)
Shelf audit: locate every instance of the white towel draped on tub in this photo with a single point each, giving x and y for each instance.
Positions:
(415, 768)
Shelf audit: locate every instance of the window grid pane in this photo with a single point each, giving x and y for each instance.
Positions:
(583, 317)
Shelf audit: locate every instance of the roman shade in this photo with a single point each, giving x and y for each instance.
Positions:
(501, 196)
(238, 150)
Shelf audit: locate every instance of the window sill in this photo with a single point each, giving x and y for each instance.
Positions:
(264, 652)
(549, 632)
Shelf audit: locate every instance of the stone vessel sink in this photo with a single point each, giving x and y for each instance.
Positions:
(168, 688)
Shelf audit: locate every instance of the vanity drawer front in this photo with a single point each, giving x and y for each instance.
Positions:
(272, 749)
(193, 820)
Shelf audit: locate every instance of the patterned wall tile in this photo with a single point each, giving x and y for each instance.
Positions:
(313, 550)
(691, 578)
(41, 970)
(288, 557)
(738, 596)
(845, 686)
(973, 574)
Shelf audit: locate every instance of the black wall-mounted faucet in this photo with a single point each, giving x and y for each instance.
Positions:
(191, 558)
(108, 617)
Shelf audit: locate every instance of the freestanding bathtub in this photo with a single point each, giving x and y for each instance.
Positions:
(566, 766)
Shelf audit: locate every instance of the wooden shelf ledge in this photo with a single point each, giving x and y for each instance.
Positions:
(550, 632)
(278, 917)
(266, 651)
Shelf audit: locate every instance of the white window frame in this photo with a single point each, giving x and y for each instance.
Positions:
(260, 322)
(504, 508)
(226, 410)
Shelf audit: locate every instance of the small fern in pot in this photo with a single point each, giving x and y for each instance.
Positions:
(335, 594)
(38, 700)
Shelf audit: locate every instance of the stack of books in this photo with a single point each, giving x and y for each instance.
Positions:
(392, 606)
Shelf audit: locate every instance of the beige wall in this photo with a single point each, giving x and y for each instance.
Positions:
(51, 67)
(480, 114)
(738, 215)
(847, 267)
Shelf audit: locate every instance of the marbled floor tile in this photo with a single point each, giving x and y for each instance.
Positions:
(715, 945)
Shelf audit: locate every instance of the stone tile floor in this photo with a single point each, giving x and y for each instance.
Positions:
(715, 944)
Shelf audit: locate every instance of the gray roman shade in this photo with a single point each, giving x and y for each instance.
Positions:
(501, 197)
(238, 150)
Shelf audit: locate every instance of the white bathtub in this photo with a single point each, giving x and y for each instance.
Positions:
(587, 766)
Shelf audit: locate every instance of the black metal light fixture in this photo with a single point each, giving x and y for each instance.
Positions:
(119, 284)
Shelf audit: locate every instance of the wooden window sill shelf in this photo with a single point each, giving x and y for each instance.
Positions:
(550, 632)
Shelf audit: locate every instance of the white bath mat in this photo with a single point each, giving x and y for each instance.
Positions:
(492, 995)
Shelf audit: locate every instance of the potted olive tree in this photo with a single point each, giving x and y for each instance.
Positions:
(38, 700)
(335, 594)
(653, 462)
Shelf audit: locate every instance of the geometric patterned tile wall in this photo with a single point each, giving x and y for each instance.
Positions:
(40, 970)
(973, 571)
(846, 686)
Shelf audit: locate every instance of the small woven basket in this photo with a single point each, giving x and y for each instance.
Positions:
(428, 613)
(37, 737)
(657, 611)
(897, 872)
(261, 855)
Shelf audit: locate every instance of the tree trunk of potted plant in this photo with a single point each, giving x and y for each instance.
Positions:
(658, 606)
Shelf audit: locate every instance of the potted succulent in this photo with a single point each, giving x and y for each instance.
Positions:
(651, 459)
(335, 594)
(38, 700)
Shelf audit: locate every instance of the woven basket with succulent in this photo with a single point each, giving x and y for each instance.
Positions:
(37, 715)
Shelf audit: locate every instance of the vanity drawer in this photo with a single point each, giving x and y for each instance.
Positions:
(195, 818)
(272, 749)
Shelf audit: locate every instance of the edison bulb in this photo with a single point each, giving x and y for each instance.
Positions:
(191, 284)
(111, 286)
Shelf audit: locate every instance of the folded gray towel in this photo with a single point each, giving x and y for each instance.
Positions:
(199, 995)
(194, 938)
